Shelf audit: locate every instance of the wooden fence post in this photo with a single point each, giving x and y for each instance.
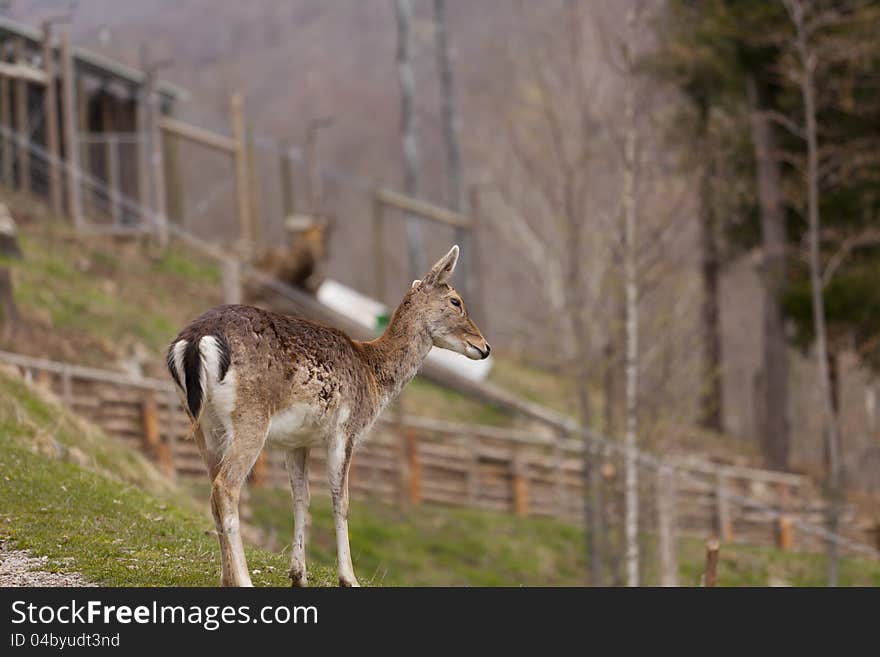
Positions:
(67, 387)
(143, 147)
(378, 249)
(50, 105)
(85, 163)
(473, 471)
(5, 121)
(172, 405)
(258, 472)
(256, 194)
(71, 140)
(113, 177)
(786, 532)
(403, 478)
(666, 527)
(520, 486)
(285, 170)
(415, 466)
(558, 485)
(43, 379)
(21, 122)
(242, 188)
(157, 165)
(173, 208)
(230, 278)
(722, 504)
(155, 448)
(710, 575)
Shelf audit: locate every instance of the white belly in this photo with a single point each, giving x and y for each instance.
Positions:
(293, 427)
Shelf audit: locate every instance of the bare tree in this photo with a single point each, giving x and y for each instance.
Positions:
(454, 193)
(772, 388)
(631, 286)
(553, 195)
(711, 401)
(454, 185)
(414, 238)
(808, 60)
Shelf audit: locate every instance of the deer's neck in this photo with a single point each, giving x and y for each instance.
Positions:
(397, 355)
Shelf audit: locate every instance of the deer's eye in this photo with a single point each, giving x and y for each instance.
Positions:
(455, 302)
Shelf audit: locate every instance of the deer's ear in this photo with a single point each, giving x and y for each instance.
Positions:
(415, 284)
(441, 271)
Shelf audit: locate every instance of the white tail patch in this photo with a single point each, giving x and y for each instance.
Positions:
(209, 351)
(217, 396)
(179, 348)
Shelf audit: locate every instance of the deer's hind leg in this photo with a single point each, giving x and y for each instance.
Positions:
(297, 461)
(246, 440)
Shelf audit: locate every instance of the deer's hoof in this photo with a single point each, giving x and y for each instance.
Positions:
(298, 580)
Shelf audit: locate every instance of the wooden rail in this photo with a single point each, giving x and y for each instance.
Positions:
(425, 460)
(422, 208)
(462, 224)
(19, 71)
(236, 147)
(199, 135)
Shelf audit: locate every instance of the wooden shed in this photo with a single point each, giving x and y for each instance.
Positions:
(61, 104)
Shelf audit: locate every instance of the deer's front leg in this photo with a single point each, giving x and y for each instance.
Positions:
(298, 471)
(338, 463)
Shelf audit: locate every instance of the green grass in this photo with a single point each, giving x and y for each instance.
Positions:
(421, 397)
(748, 565)
(94, 298)
(113, 519)
(434, 546)
(540, 386)
(111, 516)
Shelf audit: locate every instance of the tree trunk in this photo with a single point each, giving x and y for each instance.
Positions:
(414, 238)
(454, 194)
(773, 430)
(575, 298)
(711, 399)
(454, 185)
(631, 478)
(829, 414)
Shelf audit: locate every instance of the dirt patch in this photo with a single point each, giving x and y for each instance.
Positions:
(18, 568)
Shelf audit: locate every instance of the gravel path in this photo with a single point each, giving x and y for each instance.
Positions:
(18, 568)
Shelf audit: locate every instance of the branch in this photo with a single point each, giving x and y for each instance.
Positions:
(865, 238)
(778, 117)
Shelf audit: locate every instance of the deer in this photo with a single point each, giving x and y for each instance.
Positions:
(296, 263)
(249, 378)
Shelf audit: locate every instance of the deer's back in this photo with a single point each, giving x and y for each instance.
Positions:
(299, 373)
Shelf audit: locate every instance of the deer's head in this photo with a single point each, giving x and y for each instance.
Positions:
(444, 313)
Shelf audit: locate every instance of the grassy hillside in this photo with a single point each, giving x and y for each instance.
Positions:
(432, 546)
(97, 300)
(93, 506)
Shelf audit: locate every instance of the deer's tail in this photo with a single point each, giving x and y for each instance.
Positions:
(192, 362)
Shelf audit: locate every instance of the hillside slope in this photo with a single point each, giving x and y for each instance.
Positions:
(92, 506)
(117, 303)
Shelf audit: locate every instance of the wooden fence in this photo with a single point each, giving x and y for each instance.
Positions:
(415, 460)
